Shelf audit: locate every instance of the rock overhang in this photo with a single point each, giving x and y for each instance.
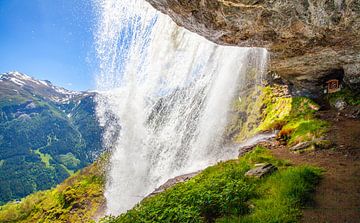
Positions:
(307, 39)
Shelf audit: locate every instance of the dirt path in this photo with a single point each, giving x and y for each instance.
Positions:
(337, 198)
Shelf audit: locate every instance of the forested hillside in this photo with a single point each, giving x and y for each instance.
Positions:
(46, 133)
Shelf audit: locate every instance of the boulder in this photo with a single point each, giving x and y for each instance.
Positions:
(172, 182)
(320, 143)
(245, 149)
(262, 139)
(261, 170)
(340, 104)
(301, 146)
(352, 76)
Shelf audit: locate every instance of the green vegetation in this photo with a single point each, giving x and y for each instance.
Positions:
(77, 199)
(293, 116)
(70, 172)
(43, 142)
(69, 160)
(223, 194)
(283, 195)
(246, 116)
(302, 130)
(349, 96)
(45, 158)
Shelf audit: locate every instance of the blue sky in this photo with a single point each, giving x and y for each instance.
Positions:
(49, 39)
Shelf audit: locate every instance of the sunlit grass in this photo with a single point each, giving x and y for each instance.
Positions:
(75, 200)
(222, 193)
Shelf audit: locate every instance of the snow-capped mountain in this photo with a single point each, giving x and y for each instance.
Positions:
(17, 83)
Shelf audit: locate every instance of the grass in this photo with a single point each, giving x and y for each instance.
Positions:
(77, 199)
(12, 100)
(349, 96)
(302, 130)
(223, 194)
(281, 196)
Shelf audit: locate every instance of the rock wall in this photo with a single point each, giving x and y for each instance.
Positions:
(308, 39)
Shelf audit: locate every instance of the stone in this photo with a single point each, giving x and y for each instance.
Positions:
(301, 146)
(245, 149)
(257, 140)
(340, 104)
(307, 39)
(352, 76)
(172, 182)
(320, 143)
(261, 171)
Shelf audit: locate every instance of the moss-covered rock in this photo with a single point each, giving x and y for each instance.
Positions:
(272, 108)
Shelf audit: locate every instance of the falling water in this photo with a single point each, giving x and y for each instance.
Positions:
(166, 96)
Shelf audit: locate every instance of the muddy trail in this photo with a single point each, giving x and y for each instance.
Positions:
(337, 198)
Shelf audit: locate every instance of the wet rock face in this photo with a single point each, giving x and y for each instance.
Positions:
(306, 38)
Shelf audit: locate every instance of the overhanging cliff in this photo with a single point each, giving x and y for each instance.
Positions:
(308, 39)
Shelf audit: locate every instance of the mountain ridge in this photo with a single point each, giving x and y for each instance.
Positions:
(46, 133)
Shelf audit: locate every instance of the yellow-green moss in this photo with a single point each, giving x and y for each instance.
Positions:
(246, 116)
(270, 110)
(276, 113)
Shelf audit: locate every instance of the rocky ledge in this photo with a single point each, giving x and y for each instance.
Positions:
(309, 40)
(173, 181)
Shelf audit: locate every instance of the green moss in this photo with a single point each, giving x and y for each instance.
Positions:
(277, 112)
(303, 130)
(223, 193)
(246, 115)
(347, 95)
(293, 116)
(77, 199)
(281, 111)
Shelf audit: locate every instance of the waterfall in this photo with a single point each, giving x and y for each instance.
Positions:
(166, 94)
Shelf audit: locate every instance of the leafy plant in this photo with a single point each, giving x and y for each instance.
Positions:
(223, 194)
